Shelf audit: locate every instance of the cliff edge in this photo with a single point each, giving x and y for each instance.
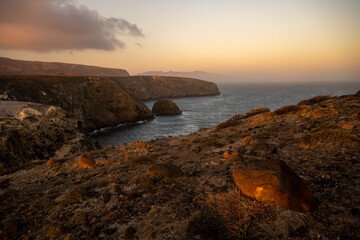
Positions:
(155, 87)
(95, 101)
(21, 67)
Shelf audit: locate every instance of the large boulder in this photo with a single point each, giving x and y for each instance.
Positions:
(165, 107)
(275, 183)
(35, 132)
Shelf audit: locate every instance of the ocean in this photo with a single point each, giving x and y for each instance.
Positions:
(204, 112)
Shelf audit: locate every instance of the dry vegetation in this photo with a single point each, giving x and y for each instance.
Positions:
(332, 134)
(287, 109)
(236, 211)
(314, 100)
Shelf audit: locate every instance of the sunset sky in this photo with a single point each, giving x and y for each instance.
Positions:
(229, 36)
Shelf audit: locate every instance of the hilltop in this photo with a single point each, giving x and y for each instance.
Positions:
(182, 187)
(22, 67)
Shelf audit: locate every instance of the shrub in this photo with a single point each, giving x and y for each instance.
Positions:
(287, 109)
(257, 111)
(331, 133)
(233, 121)
(235, 211)
(314, 100)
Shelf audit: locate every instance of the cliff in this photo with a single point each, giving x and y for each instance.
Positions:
(213, 77)
(95, 101)
(32, 131)
(155, 87)
(183, 188)
(21, 67)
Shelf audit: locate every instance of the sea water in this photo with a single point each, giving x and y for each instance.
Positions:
(204, 112)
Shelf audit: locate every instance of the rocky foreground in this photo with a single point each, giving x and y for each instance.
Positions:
(183, 187)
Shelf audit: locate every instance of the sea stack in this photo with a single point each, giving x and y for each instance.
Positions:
(165, 107)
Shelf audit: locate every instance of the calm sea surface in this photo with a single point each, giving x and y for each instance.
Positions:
(203, 112)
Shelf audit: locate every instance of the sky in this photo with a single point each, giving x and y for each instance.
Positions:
(257, 37)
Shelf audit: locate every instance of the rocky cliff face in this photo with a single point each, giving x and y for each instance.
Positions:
(95, 101)
(155, 87)
(10, 66)
(31, 131)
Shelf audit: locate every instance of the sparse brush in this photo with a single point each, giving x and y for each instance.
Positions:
(287, 109)
(333, 135)
(236, 211)
(314, 100)
(256, 111)
(212, 140)
(233, 121)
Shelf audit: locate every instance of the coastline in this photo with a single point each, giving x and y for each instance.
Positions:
(118, 195)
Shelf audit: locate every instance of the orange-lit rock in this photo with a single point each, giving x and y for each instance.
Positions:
(50, 162)
(85, 162)
(274, 182)
(226, 155)
(246, 141)
(263, 118)
(321, 112)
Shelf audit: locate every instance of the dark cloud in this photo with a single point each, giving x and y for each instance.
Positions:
(47, 25)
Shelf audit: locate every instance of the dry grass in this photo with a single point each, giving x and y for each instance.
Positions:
(314, 100)
(287, 109)
(236, 211)
(332, 134)
(212, 140)
(257, 111)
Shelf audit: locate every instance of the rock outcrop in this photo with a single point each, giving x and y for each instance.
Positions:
(95, 101)
(21, 67)
(35, 132)
(155, 87)
(165, 107)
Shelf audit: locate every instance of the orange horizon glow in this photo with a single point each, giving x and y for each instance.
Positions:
(276, 36)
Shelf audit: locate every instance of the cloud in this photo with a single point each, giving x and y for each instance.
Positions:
(139, 44)
(55, 25)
